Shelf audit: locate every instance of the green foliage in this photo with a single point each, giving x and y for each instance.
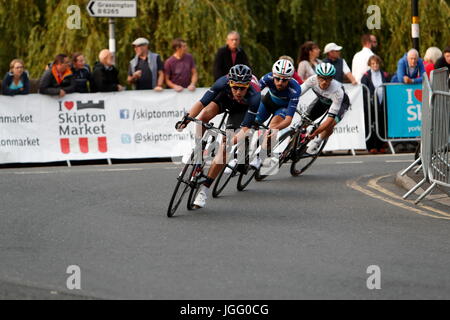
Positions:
(37, 31)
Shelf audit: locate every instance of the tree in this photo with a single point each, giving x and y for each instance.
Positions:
(38, 31)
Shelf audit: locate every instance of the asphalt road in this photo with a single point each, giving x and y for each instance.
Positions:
(285, 238)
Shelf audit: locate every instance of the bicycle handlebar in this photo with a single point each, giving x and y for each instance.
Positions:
(208, 126)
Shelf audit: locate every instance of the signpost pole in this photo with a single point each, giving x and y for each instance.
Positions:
(415, 24)
(112, 38)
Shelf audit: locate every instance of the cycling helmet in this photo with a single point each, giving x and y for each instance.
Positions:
(240, 73)
(325, 70)
(283, 68)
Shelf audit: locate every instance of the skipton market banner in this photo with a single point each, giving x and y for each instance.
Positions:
(120, 125)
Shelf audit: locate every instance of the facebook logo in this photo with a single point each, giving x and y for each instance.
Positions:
(126, 138)
(124, 114)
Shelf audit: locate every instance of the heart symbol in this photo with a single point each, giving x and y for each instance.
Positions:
(69, 105)
(418, 95)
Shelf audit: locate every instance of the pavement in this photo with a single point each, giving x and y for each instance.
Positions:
(312, 237)
(439, 196)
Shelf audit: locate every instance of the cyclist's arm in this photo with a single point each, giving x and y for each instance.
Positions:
(264, 81)
(308, 84)
(250, 116)
(292, 107)
(209, 96)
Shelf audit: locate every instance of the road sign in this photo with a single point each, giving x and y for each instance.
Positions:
(112, 8)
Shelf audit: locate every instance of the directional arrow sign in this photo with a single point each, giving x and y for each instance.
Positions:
(112, 8)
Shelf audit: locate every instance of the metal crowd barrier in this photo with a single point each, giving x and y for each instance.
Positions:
(377, 120)
(439, 80)
(369, 111)
(435, 141)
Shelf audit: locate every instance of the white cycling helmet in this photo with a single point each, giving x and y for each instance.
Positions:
(283, 68)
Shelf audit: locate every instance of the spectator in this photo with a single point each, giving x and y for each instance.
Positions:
(105, 76)
(58, 78)
(146, 68)
(229, 55)
(16, 81)
(373, 79)
(431, 56)
(295, 76)
(374, 42)
(333, 52)
(410, 68)
(81, 73)
(443, 61)
(360, 61)
(308, 59)
(180, 70)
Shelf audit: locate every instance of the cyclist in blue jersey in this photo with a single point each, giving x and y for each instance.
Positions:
(280, 101)
(233, 93)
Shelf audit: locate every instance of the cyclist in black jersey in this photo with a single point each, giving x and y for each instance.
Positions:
(235, 94)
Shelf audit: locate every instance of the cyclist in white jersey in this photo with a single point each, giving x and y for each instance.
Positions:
(331, 96)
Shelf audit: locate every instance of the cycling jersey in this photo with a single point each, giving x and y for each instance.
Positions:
(334, 96)
(221, 94)
(287, 98)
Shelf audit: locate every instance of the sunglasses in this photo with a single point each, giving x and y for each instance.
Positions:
(281, 79)
(238, 88)
(325, 78)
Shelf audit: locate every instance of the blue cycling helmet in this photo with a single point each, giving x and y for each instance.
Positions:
(240, 73)
(325, 70)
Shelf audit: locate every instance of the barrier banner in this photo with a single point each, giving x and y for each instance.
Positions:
(404, 110)
(121, 125)
(125, 125)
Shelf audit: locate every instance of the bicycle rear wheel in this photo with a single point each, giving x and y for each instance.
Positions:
(180, 190)
(222, 181)
(301, 162)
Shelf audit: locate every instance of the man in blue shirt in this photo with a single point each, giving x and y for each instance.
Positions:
(410, 69)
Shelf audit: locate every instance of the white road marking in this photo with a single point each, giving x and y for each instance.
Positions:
(32, 172)
(402, 161)
(349, 162)
(114, 170)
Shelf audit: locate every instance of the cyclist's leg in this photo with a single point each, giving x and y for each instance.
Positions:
(316, 109)
(235, 118)
(338, 118)
(314, 112)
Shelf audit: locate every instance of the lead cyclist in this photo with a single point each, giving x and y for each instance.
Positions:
(331, 96)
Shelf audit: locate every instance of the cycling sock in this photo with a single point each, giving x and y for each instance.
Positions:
(209, 181)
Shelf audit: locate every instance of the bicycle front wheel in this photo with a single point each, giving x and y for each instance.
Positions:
(180, 190)
(245, 177)
(301, 161)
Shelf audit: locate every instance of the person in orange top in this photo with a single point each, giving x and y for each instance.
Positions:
(58, 80)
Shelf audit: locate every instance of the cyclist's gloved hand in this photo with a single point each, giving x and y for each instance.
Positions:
(180, 125)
